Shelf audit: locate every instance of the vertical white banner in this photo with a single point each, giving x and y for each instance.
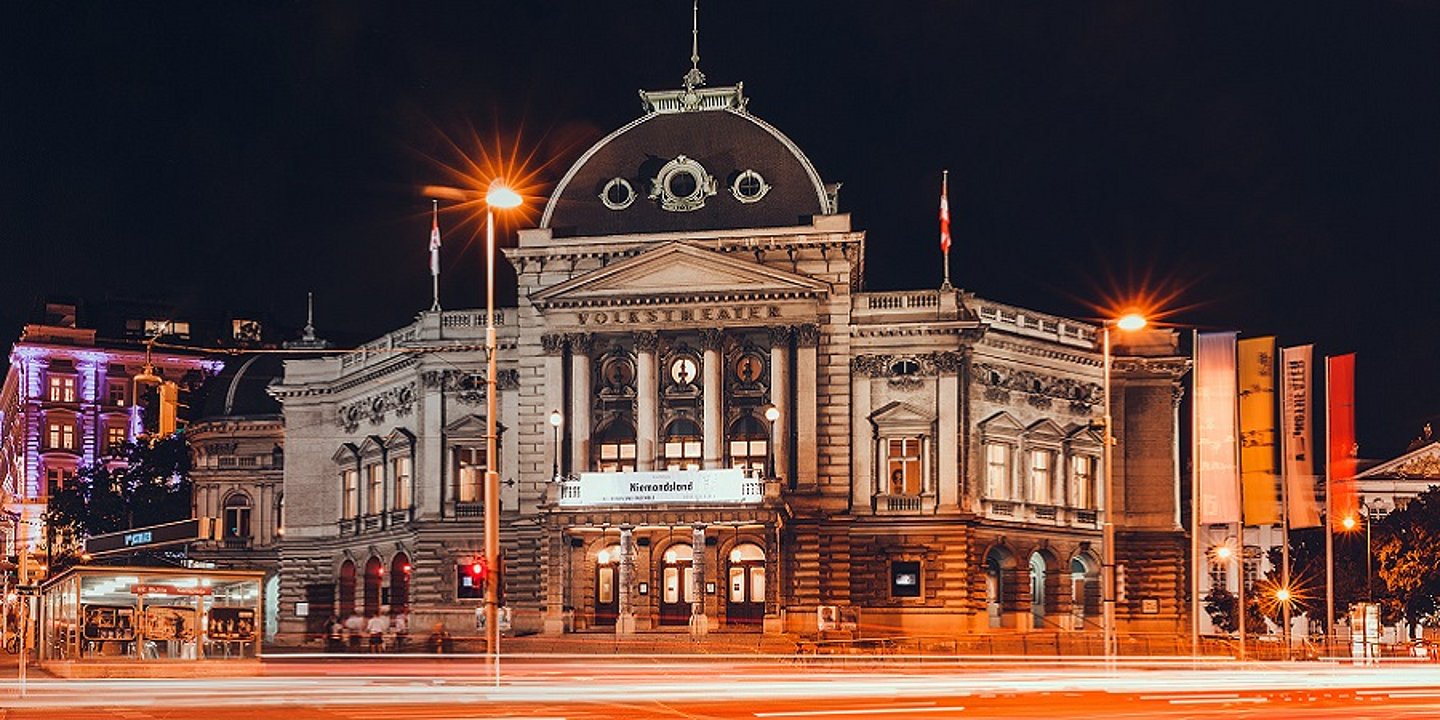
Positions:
(1297, 437)
(1217, 471)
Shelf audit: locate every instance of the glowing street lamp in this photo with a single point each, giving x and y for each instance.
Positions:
(772, 414)
(556, 419)
(500, 197)
(1128, 322)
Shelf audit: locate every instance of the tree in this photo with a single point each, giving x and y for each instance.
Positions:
(151, 485)
(1407, 556)
(1220, 604)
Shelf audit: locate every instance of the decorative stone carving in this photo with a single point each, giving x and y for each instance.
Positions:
(807, 335)
(647, 341)
(467, 387)
(945, 362)
(779, 335)
(552, 344)
(1042, 389)
(581, 343)
(711, 339)
(870, 365)
(1425, 466)
(374, 408)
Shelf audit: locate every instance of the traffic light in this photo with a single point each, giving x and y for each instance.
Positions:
(1120, 583)
(169, 402)
(470, 579)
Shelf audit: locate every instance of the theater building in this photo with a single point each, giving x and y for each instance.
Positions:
(707, 424)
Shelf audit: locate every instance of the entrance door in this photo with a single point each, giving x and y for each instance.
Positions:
(745, 594)
(677, 585)
(607, 586)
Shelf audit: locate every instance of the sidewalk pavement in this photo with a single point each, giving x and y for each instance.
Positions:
(601, 643)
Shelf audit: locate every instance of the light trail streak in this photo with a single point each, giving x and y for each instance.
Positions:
(879, 710)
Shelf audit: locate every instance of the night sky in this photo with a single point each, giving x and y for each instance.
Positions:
(1265, 168)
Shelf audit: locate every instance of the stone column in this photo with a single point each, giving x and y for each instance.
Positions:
(807, 346)
(710, 339)
(647, 396)
(947, 364)
(862, 433)
(699, 625)
(580, 345)
(554, 348)
(780, 397)
(556, 576)
(625, 623)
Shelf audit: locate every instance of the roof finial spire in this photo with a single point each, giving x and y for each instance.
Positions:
(694, 77)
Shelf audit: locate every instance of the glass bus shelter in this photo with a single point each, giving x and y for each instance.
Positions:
(149, 615)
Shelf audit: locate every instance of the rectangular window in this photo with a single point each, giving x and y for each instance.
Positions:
(62, 389)
(905, 578)
(61, 435)
(57, 479)
(903, 466)
(1219, 575)
(115, 393)
(1082, 476)
(400, 470)
(115, 436)
(997, 471)
(237, 523)
(1042, 476)
(350, 486)
(469, 474)
(1252, 566)
(375, 489)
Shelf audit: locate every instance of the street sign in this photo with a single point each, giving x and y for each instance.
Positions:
(27, 590)
(154, 536)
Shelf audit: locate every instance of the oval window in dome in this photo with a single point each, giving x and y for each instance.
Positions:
(682, 184)
(749, 187)
(617, 194)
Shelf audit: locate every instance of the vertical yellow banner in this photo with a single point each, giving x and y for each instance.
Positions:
(1257, 431)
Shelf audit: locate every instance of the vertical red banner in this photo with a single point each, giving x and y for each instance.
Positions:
(1342, 500)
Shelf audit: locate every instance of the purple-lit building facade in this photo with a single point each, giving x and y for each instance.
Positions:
(68, 397)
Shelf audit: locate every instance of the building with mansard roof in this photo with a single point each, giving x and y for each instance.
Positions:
(747, 440)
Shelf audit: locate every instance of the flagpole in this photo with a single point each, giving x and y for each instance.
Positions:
(1194, 501)
(1284, 533)
(945, 226)
(1325, 523)
(435, 256)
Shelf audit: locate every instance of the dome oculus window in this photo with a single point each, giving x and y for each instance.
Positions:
(749, 187)
(617, 194)
(682, 185)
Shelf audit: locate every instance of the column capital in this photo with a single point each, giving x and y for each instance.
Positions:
(647, 341)
(780, 335)
(581, 343)
(711, 338)
(552, 343)
(807, 335)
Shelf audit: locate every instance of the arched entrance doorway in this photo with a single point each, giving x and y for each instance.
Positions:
(677, 584)
(745, 598)
(400, 583)
(374, 572)
(607, 585)
(1038, 571)
(1084, 581)
(998, 561)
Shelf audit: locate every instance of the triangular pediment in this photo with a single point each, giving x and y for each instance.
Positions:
(1421, 463)
(1001, 423)
(1046, 429)
(677, 270)
(902, 417)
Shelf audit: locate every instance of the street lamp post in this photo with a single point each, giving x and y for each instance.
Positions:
(502, 197)
(772, 414)
(1131, 321)
(555, 420)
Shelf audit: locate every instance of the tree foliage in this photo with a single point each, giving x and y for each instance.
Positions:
(141, 484)
(1221, 605)
(1407, 556)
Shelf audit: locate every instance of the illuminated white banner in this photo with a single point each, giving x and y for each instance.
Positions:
(664, 487)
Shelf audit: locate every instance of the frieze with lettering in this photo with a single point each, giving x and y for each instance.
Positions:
(681, 316)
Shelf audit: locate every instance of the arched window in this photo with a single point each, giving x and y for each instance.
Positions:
(745, 594)
(607, 579)
(374, 576)
(237, 519)
(347, 589)
(749, 443)
(400, 571)
(1084, 583)
(615, 447)
(677, 584)
(683, 445)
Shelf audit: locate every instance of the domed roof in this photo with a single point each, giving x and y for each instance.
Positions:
(240, 389)
(697, 160)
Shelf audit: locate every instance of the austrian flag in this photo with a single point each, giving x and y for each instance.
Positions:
(435, 242)
(945, 214)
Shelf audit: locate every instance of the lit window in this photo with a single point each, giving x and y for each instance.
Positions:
(997, 471)
(1042, 476)
(469, 474)
(400, 468)
(375, 488)
(350, 482)
(1082, 474)
(683, 445)
(61, 435)
(615, 447)
(749, 444)
(237, 518)
(115, 437)
(903, 468)
(115, 393)
(62, 389)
